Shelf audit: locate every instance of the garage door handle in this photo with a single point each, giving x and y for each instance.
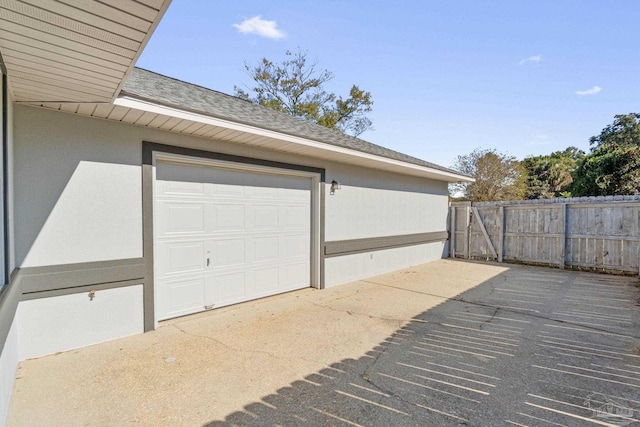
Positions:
(208, 260)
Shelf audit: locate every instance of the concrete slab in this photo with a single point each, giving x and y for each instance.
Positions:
(445, 343)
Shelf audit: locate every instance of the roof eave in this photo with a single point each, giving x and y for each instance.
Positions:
(294, 143)
(143, 45)
(74, 53)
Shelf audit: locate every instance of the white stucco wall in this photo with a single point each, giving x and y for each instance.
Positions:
(374, 203)
(49, 325)
(349, 268)
(78, 191)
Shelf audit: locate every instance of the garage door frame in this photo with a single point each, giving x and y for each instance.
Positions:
(153, 152)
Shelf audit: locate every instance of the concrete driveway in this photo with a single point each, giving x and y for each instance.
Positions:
(445, 343)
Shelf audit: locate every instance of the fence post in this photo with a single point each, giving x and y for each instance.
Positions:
(452, 232)
(563, 241)
(467, 210)
(501, 235)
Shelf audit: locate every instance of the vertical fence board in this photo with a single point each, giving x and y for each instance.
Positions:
(594, 233)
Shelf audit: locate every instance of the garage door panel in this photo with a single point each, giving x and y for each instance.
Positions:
(241, 235)
(294, 246)
(180, 257)
(229, 253)
(266, 249)
(184, 218)
(180, 179)
(262, 192)
(265, 217)
(269, 182)
(230, 288)
(294, 188)
(294, 276)
(225, 183)
(229, 218)
(181, 217)
(265, 281)
(185, 257)
(296, 217)
(181, 297)
(292, 194)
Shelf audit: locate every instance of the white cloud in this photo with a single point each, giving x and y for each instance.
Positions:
(261, 27)
(591, 91)
(534, 59)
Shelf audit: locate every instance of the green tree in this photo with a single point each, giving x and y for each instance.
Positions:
(498, 176)
(295, 86)
(551, 175)
(613, 165)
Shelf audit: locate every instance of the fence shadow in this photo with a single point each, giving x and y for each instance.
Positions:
(482, 358)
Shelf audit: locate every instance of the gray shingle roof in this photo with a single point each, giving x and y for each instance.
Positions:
(169, 91)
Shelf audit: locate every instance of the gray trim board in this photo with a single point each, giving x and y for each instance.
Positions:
(147, 240)
(148, 148)
(5, 172)
(355, 246)
(79, 289)
(9, 299)
(323, 191)
(69, 276)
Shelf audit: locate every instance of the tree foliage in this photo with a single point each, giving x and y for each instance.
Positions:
(498, 176)
(551, 175)
(296, 87)
(613, 165)
(623, 132)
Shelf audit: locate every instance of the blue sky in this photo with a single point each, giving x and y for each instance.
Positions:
(526, 78)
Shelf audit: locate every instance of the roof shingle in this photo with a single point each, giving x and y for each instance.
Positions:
(176, 93)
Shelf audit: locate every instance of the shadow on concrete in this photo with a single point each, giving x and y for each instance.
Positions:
(532, 346)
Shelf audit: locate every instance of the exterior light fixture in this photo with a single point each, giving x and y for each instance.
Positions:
(335, 185)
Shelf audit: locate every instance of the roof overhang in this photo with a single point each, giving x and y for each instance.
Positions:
(269, 139)
(73, 50)
(168, 118)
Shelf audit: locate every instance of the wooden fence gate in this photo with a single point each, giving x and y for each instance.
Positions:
(591, 232)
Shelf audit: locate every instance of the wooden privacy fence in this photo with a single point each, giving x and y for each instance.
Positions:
(590, 232)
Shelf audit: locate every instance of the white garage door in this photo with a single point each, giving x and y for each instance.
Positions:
(224, 236)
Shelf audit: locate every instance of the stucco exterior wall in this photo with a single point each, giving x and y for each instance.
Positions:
(349, 268)
(374, 203)
(49, 325)
(78, 191)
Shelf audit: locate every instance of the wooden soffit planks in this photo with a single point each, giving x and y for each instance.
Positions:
(73, 50)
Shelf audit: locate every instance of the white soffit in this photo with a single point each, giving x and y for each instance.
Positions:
(215, 128)
(143, 113)
(73, 50)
